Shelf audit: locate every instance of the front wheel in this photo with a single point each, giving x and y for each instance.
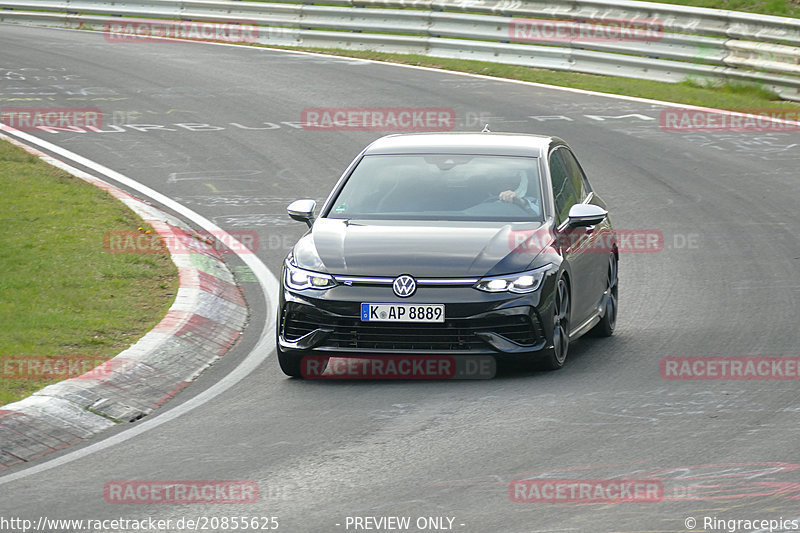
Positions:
(561, 309)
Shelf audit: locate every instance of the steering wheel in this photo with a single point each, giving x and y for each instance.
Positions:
(526, 208)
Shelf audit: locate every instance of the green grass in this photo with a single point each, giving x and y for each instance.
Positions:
(781, 8)
(61, 294)
(733, 96)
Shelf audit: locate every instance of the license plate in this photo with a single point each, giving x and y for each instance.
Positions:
(402, 312)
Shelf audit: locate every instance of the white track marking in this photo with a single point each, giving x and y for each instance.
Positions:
(264, 346)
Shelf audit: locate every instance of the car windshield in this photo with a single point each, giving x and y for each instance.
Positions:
(441, 187)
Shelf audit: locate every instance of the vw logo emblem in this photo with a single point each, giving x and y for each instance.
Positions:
(404, 286)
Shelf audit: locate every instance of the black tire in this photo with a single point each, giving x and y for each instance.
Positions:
(561, 312)
(605, 328)
(290, 364)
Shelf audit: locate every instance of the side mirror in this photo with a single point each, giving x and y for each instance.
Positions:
(302, 210)
(582, 215)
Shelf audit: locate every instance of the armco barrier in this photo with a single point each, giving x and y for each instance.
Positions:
(698, 43)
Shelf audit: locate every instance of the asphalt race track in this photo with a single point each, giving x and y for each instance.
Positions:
(230, 147)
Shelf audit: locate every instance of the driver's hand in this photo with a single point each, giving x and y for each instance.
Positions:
(509, 196)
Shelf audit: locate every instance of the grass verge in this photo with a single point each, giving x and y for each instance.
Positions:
(62, 296)
(732, 96)
(781, 8)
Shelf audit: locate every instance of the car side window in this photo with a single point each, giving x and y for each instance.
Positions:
(564, 193)
(579, 182)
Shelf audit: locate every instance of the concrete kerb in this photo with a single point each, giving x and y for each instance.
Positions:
(205, 320)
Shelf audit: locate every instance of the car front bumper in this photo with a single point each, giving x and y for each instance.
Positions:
(312, 322)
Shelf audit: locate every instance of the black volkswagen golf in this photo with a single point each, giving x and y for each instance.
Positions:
(451, 243)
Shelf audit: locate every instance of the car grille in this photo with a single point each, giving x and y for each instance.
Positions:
(452, 335)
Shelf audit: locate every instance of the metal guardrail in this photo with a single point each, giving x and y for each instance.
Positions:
(683, 42)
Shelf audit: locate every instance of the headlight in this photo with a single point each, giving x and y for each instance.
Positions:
(299, 279)
(517, 283)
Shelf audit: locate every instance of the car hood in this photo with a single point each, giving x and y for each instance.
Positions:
(421, 249)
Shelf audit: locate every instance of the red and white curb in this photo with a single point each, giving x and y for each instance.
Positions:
(205, 320)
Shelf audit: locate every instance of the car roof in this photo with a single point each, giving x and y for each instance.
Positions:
(512, 144)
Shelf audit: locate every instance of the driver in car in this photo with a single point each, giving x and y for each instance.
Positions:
(520, 195)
